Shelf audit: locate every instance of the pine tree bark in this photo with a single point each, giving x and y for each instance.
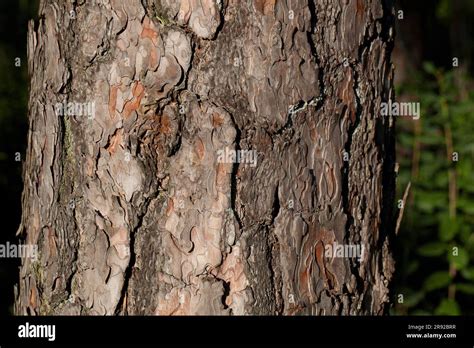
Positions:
(132, 210)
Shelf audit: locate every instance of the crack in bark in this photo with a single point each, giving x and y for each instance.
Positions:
(272, 241)
(226, 286)
(129, 270)
(235, 169)
(353, 263)
(314, 52)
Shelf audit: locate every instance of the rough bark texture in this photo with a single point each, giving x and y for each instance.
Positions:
(132, 210)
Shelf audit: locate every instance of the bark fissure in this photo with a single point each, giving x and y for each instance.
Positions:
(121, 306)
(235, 169)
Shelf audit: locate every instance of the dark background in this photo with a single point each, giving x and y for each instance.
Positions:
(439, 211)
(435, 245)
(14, 16)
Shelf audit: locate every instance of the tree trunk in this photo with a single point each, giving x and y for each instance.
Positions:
(217, 152)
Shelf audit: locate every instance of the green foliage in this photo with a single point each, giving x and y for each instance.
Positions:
(448, 307)
(432, 249)
(436, 240)
(460, 259)
(468, 273)
(437, 280)
(466, 288)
